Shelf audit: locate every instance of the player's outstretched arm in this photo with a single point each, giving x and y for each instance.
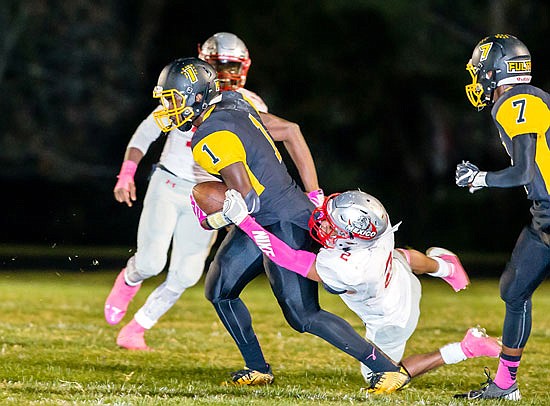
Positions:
(298, 261)
(125, 188)
(520, 173)
(291, 136)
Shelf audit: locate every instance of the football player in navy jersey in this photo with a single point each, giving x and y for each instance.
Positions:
(167, 219)
(500, 69)
(232, 143)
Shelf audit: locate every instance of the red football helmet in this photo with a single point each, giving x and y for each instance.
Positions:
(228, 54)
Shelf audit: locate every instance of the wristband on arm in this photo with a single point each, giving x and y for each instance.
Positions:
(217, 220)
(126, 174)
(297, 261)
(214, 221)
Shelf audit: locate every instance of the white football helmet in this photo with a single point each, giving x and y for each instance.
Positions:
(228, 54)
(348, 219)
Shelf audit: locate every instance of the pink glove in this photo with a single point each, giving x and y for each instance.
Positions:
(197, 211)
(317, 197)
(126, 175)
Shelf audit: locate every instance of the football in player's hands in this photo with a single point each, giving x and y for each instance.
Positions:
(210, 195)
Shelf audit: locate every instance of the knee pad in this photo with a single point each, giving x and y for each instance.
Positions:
(510, 291)
(145, 266)
(183, 278)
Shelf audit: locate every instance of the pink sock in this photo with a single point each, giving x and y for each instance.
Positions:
(506, 373)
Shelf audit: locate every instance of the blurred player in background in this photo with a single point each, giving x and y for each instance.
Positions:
(358, 261)
(500, 69)
(233, 144)
(167, 217)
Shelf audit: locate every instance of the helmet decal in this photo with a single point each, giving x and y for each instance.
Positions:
(485, 48)
(190, 73)
(362, 226)
(518, 67)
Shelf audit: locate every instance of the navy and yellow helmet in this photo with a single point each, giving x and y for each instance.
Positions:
(498, 60)
(184, 88)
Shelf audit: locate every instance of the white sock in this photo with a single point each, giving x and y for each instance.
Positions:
(129, 282)
(157, 304)
(452, 353)
(132, 276)
(443, 270)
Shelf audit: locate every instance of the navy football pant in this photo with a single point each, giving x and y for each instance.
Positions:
(528, 267)
(238, 261)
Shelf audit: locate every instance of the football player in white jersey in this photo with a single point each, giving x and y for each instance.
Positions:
(167, 217)
(358, 261)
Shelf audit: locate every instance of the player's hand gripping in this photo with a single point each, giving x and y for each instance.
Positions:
(125, 188)
(468, 174)
(234, 207)
(317, 197)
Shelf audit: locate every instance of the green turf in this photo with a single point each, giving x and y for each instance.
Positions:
(56, 348)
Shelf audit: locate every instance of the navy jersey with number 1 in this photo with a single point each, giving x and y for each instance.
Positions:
(232, 132)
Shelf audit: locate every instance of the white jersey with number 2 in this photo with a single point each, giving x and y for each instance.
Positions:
(381, 288)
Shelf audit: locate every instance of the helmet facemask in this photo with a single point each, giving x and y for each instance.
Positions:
(323, 230)
(475, 91)
(231, 74)
(175, 112)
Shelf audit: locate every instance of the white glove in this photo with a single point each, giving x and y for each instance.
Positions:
(234, 207)
(467, 174)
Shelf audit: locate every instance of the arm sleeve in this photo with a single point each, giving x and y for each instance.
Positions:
(146, 133)
(278, 251)
(522, 170)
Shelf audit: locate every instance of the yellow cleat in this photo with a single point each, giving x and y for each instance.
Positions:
(251, 377)
(388, 382)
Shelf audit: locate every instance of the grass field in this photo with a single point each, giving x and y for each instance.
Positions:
(57, 349)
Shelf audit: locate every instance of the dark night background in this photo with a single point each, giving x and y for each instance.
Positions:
(376, 86)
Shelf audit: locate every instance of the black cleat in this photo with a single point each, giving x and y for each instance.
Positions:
(489, 390)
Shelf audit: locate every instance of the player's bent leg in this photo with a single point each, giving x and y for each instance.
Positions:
(237, 262)
(526, 270)
(298, 298)
(457, 278)
(120, 296)
(476, 343)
